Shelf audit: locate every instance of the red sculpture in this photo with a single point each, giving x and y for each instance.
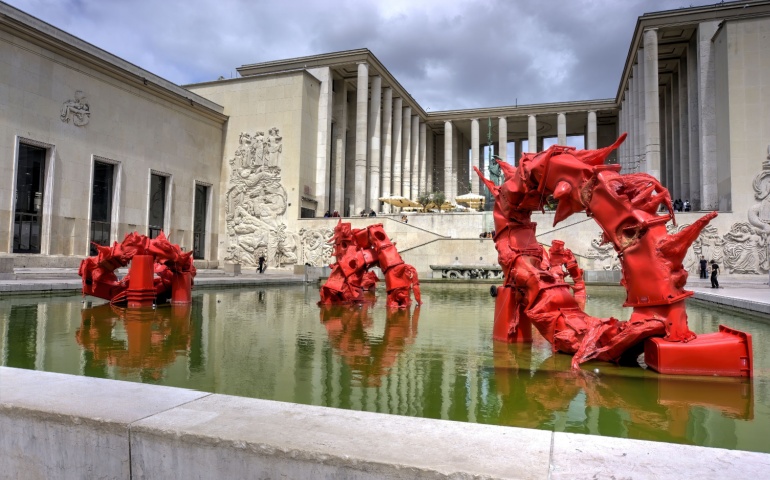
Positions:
(626, 208)
(160, 272)
(359, 249)
(559, 257)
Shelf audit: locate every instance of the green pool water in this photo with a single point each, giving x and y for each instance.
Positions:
(436, 361)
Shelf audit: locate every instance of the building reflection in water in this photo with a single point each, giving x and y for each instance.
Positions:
(616, 402)
(142, 341)
(369, 357)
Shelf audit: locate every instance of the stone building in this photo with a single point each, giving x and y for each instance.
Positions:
(236, 168)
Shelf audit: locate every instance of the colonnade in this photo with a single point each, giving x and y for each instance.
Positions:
(671, 136)
(396, 152)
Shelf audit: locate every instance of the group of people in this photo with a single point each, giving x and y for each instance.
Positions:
(704, 266)
(487, 234)
(330, 215)
(680, 206)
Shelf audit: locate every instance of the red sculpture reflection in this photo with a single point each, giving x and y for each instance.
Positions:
(654, 407)
(152, 338)
(626, 208)
(160, 272)
(359, 249)
(350, 335)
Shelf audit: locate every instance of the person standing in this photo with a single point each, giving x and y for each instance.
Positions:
(703, 267)
(261, 267)
(714, 274)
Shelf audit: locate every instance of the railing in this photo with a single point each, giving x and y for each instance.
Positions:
(26, 233)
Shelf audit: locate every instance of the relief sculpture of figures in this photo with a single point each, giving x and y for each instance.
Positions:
(256, 203)
(357, 250)
(626, 207)
(76, 110)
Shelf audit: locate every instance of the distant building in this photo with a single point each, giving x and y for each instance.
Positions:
(95, 147)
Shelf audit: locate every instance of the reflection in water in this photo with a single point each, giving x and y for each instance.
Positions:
(269, 343)
(615, 402)
(350, 334)
(141, 340)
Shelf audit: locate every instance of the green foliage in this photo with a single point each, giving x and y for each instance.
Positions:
(438, 198)
(424, 199)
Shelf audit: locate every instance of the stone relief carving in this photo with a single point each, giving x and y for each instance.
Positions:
(603, 255)
(316, 248)
(77, 110)
(256, 203)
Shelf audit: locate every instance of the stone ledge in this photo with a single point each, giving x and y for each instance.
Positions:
(58, 425)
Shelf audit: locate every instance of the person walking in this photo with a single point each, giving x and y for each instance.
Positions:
(261, 267)
(703, 267)
(714, 274)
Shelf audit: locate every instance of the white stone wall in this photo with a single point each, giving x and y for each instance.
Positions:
(136, 129)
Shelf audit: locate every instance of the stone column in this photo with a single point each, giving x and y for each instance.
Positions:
(651, 103)
(694, 124)
(374, 143)
(591, 140)
(324, 147)
(397, 141)
(676, 158)
(502, 138)
(632, 102)
(684, 129)
(532, 133)
(423, 158)
(387, 133)
(415, 157)
(429, 160)
(561, 128)
(707, 116)
(448, 173)
(639, 158)
(476, 183)
(340, 133)
(406, 152)
(362, 100)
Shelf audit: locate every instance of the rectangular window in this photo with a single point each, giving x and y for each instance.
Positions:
(101, 204)
(28, 215)
(157, 205)
(199, 221)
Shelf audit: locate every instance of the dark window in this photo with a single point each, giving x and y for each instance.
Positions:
(101, 204)
(306, 212)
(199, 221)
(28, 215)
(157, 205)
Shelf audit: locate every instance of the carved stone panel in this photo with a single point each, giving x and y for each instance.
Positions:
(76, 110)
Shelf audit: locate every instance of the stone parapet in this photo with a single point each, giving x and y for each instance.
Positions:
(62, 426)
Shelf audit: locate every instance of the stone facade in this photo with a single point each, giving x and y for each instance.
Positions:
(292, 139)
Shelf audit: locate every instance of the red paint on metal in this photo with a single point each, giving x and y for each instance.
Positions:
(626, 207)
(357, 251)
(159, 271)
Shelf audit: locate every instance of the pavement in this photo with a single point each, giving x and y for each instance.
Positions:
(744, 292)
(46, 280)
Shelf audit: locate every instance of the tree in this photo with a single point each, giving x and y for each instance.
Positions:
(424, 199)
(438, 198)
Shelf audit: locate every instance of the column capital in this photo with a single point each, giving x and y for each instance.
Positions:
(532, 115)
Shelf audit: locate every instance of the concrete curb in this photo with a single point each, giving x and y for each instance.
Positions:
(67, 426)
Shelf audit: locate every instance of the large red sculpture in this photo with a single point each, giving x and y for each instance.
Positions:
(359, 249)
(626, 208)
(160, 272)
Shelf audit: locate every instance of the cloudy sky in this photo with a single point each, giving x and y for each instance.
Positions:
(449, 54)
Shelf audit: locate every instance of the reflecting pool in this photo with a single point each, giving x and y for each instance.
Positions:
(436, 361)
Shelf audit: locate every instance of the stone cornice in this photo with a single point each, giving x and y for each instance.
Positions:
(336, 59)
(684, 17)
(40, 33)
(523, 110)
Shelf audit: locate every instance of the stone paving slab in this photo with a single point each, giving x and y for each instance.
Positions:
(233, 437)
(752, 298)
(577, 456)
